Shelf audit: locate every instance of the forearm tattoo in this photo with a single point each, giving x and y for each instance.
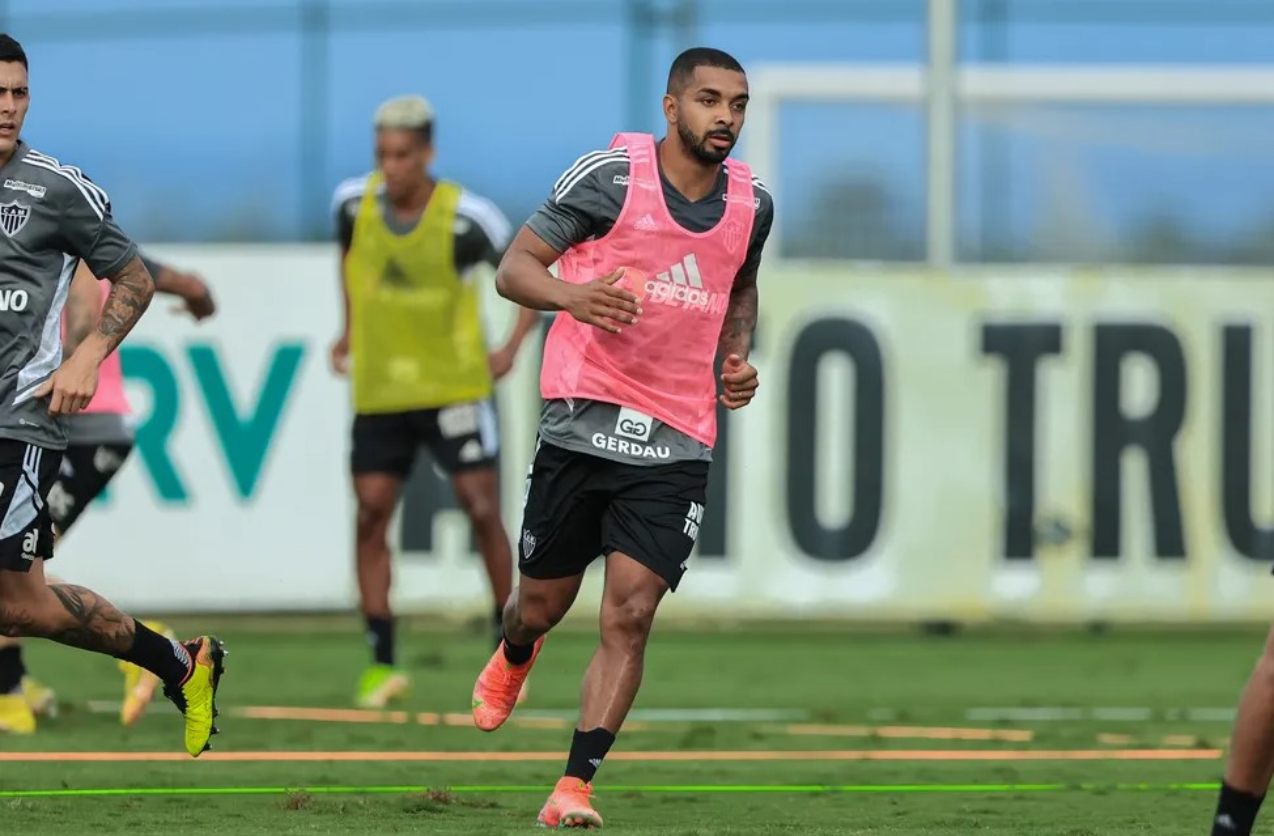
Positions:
(740, 319)
(131, 291)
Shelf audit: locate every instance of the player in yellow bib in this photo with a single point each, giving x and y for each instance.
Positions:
(414, 347)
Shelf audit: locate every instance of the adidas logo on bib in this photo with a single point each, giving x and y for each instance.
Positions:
(646, 223)
(681, 286)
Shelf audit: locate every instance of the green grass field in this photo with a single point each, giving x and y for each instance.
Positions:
(833, 691)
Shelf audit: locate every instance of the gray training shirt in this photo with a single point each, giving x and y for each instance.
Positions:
(584, 204)
(51, 216)
(481, 231)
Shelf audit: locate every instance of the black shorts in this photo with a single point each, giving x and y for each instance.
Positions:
(580, 506)
(26, 529)
(86, 470)
(460, 437)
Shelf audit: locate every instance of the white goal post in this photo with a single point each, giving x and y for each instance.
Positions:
(943, 86)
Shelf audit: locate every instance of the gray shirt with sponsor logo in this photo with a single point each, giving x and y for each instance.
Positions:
(51, 216)
(585, 202)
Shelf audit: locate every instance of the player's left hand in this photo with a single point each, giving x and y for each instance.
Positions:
(740, 382)
(196, 298)
(500, 362)
(71, 387)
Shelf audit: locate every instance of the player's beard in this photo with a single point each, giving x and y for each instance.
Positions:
(699, 146)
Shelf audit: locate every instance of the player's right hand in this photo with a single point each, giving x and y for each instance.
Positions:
(71, 387)
(601, 304)
(340, 355)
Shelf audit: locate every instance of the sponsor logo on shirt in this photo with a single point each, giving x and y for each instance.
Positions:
(633, 424)
(37, 192)
(755, 201)
(635, 449)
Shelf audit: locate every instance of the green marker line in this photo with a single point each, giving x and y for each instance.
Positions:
(654, 788)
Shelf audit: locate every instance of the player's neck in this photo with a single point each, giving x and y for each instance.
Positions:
(414, 202)
(688, 174)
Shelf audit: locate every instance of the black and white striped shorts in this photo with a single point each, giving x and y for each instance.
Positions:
(27, 473)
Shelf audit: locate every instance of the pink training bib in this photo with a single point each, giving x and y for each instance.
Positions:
(663, 365)
(110, 398)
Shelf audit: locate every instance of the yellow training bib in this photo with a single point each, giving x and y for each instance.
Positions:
(415, 329)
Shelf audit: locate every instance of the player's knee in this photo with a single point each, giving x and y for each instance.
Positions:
(627, 623)
(538, 614)
(482, 507)
(373, 520)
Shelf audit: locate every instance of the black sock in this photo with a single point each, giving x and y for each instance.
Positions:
(588, 750)
(1235, 812)
(517, 654)
(380, 635)
(163, 657)
(11, 669)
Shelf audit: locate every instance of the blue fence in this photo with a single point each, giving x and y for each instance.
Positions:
(234, 120)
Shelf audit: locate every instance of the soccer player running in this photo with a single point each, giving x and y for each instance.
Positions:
(657, 247)
(100, 439)
(421, 372)
(51, 218)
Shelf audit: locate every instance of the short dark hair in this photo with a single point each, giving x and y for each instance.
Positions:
(11, 50)
(683, 68)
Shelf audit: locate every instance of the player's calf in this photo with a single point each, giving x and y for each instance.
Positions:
(1251, 761)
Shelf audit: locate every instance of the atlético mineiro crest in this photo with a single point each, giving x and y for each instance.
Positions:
(733, 236)
(13, 216)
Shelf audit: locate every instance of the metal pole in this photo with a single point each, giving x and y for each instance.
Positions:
(941, 133)
(638, 42)
(315, 99)
(993, 220)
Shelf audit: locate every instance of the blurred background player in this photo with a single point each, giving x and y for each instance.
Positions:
(52, 217)
(99, 440)
(414, 344)
(658, 283)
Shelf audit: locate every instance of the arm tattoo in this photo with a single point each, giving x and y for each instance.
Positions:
(740, 317)
(132, 288)
(96, 624)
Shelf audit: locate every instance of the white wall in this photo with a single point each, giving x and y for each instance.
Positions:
(936, 548)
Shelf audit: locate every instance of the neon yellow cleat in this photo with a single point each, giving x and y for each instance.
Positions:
(380, 685)
(196, 697)
(16, 717)
(139, 683)
(40, 697)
